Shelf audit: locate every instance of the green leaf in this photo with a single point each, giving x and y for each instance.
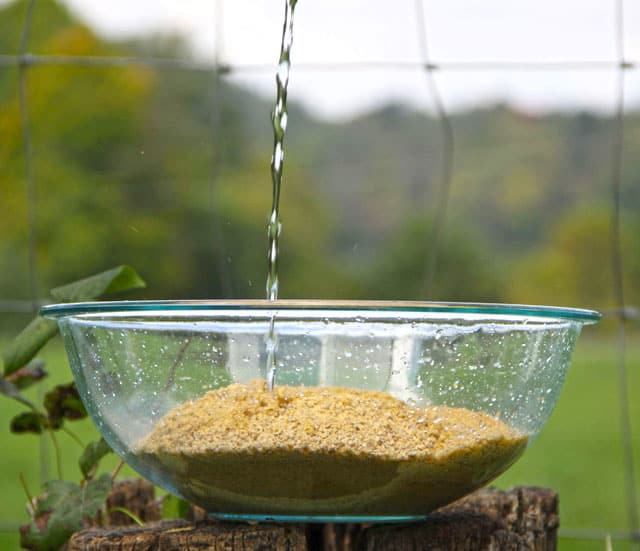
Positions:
(41, 534)
(29, 421)
(95, 493)
(31, 373)
(55, 492)
(174, 507)
(63, 402)
(26, 345)
(92, 455)
(33, 337)
(135, 518)
(64, 509)
(47, 539)
(116, 280)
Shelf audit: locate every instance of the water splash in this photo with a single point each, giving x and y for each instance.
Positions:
(279, 119)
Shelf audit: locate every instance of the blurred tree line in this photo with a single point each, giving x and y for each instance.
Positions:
(168, 170)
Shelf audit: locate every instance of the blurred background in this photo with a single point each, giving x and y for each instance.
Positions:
(457, 150)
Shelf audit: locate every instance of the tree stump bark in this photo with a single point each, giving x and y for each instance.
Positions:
(520, 519)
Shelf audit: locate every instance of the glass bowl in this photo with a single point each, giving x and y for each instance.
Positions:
(380, 411)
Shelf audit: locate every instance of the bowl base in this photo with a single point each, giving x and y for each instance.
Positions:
(341, 519)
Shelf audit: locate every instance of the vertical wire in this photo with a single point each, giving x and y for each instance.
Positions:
(448, 148)
(28, 153)
(617, 274)
(222, 267)
(23, 95)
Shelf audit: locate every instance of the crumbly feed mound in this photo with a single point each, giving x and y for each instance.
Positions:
(335, 421)
(325, 450)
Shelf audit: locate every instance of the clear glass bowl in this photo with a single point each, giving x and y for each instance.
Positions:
(381, 411)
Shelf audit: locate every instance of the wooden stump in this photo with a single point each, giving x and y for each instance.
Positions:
(520, 519)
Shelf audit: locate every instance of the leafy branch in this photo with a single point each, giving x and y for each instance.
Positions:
(33, 337)
(64, 507)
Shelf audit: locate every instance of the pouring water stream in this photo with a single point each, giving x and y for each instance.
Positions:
(279, 120)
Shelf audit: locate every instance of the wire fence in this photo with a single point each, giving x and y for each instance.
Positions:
(623, 312)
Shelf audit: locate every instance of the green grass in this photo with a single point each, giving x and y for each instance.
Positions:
(578, 454)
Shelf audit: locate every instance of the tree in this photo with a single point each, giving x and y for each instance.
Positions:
(573, 266)
(465, 268)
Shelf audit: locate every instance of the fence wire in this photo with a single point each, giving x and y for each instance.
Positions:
(28, 154)
(623, 312)
(446, 163)
(617, 278)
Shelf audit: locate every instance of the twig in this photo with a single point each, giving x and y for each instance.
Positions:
(9, 389)
(74, 437)
(56, 447)
(172, 371)
(32, 503)
(117, 470)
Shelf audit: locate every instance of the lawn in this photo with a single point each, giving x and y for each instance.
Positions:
(579, 453)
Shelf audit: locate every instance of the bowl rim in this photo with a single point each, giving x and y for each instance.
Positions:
(62, 310)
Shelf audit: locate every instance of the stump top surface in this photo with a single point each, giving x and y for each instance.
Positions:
(521, 518)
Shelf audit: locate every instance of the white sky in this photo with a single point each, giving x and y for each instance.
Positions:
(333, 31)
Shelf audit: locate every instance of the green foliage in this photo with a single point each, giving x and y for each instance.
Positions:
(27, 375)
(401, 267)
(91, 457)
(304, 242)
(573, 264)
(63, 402)
(64, 508)
(28, 421)
(122, 278)
(131, 155)
(21, 371)
(60, 403)
(24, 347)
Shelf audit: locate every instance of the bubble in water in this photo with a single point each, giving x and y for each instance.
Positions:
(283, 72)
(278, 158)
